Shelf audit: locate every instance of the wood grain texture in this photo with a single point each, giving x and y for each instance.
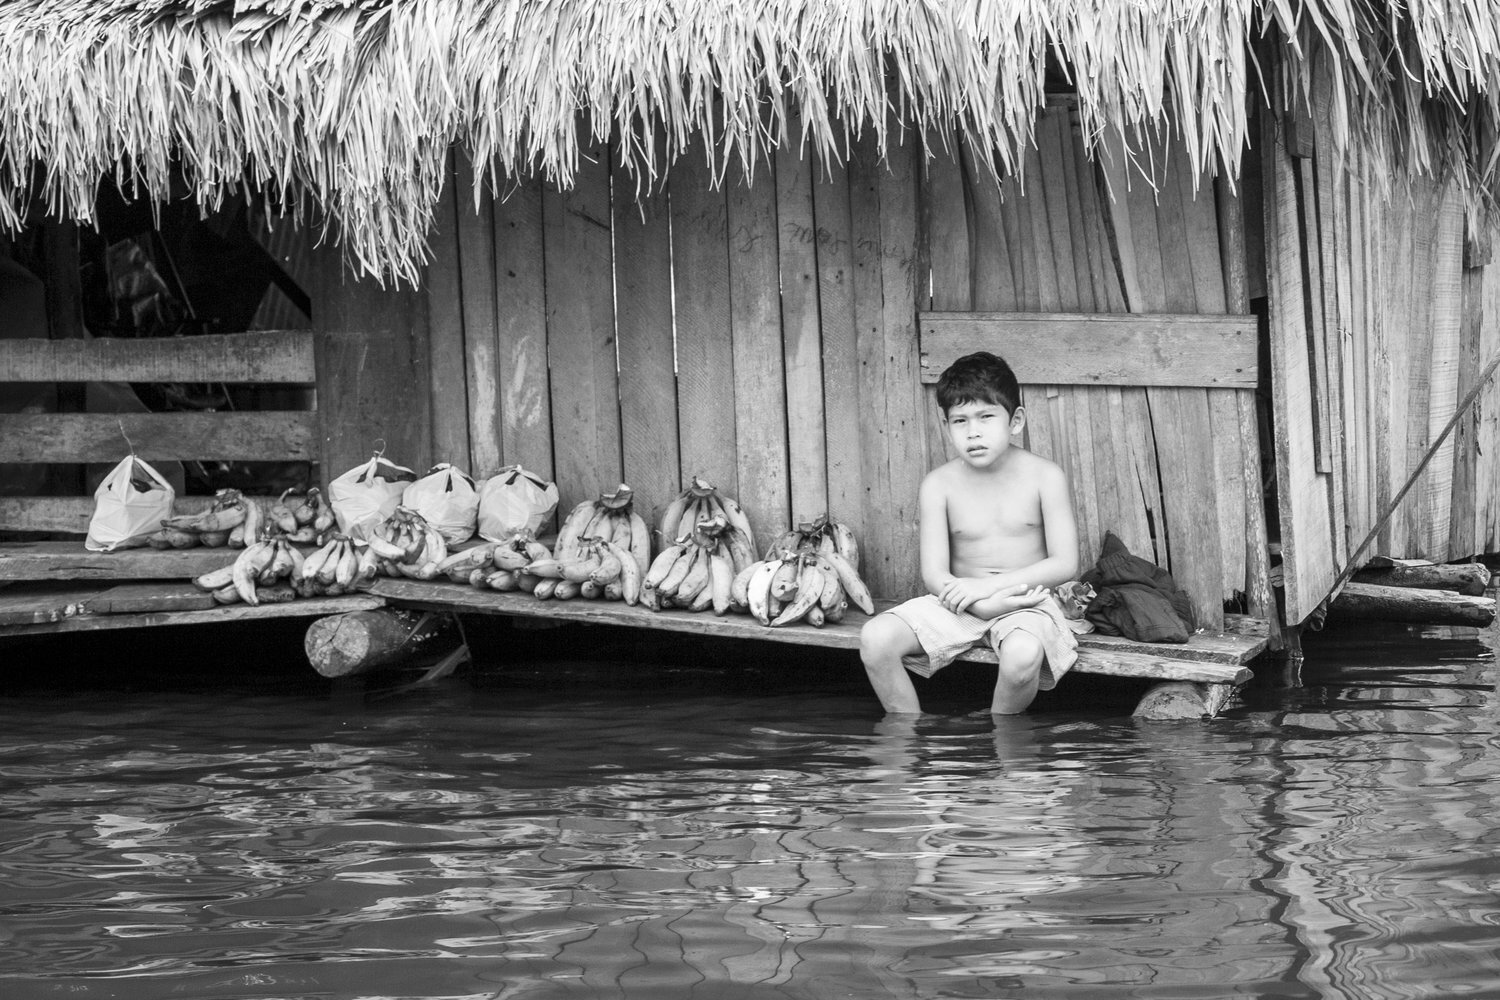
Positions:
(807, 452)
(1306, 534)
(521, 334)
(71, 561)
(841, 369)
(904, 274)
(705, 356)
(648, 380)
(313, 607)
(1155, 349)
(97, 437)
(276, 356)
(760, 377)
(479, 394)
(447, 392)
(51, 601)
(372, 359)
(159, 596)
(581, 336)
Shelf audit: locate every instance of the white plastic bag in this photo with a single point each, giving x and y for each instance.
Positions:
(447, 500)
(368, 494)
(513, 499)
(129, 505)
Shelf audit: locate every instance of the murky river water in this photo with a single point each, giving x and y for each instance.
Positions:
(748, 829)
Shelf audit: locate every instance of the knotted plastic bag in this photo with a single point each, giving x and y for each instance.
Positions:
(447, 500)
(512, 500)
(367, 494)
(129, 505)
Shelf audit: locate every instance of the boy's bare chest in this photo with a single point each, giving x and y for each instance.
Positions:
(998, 515)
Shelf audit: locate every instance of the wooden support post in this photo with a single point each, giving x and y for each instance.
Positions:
(361, 641)
(1371, 602)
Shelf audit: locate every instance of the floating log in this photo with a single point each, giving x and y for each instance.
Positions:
(1372, 602)
(360, 641)
(1462, 578)
(1172, 700)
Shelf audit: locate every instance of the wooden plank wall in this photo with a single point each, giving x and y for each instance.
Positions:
(1370, 368)
(1160, 467)
(761, 335)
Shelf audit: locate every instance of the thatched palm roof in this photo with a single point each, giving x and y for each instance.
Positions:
(355, 104)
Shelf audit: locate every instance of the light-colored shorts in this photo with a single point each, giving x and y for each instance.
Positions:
(946, 636)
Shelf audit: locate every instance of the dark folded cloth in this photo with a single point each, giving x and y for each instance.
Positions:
(1136, 598)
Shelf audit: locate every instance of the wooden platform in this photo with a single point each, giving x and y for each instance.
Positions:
(1207, 659)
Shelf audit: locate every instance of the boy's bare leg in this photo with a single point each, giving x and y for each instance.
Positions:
(882, 642)
(1021, 656)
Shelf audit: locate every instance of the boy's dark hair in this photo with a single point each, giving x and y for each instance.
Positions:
(980, 377)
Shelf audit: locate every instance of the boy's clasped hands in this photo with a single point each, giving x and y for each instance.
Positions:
(961, 593)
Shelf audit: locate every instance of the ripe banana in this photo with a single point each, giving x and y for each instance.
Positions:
(721, 579)
(852, 584)
(844, 543)
(739, 587)
(629, 576)
(468, 559)
(809, 590)
(758, 590)
(572, 528)
(281, 516)
(672, 585)
(247, 568)
(214, 579)
(665, 560)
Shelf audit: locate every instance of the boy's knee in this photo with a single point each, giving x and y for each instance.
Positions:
(1021, 655)
(880, 636)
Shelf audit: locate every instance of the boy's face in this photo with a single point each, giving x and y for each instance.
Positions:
(981, 431)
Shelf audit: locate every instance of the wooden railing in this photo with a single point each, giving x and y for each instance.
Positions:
(271, 357)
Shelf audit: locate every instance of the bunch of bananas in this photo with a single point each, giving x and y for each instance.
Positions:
(256, 576)
(309, 522)
(695, 572)
(701, 502)
(404, 544)
(811, 573)
(503, 563)
(602, 551)
(224, 523)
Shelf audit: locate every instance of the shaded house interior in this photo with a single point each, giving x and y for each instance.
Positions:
(742, 249)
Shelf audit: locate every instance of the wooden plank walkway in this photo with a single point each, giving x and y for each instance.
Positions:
(1207, 659)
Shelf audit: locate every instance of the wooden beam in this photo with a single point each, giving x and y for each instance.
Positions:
(1140, 349)
(312, 607)
(70, 515)
(102, 437)
(269, 356)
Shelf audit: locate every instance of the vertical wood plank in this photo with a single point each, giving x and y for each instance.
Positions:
(581, 334)
(902, 267)
(476, 241)
(1205, 262)
(1446, 290)
(841, 363)
(1306, 535)
(1260, 601)
(807, 453)
(1180, 417)
(373, 383)
(946, 198)
(760, 403)
(449, 385)
(993, 285)
(1462, 524)
(648, 379)
(705, 358)
(521, 330)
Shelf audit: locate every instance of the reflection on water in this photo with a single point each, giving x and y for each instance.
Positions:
(561, 833)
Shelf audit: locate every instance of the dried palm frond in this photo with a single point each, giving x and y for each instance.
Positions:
(355, 104)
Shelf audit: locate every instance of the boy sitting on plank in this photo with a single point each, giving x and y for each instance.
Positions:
(996, 533)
